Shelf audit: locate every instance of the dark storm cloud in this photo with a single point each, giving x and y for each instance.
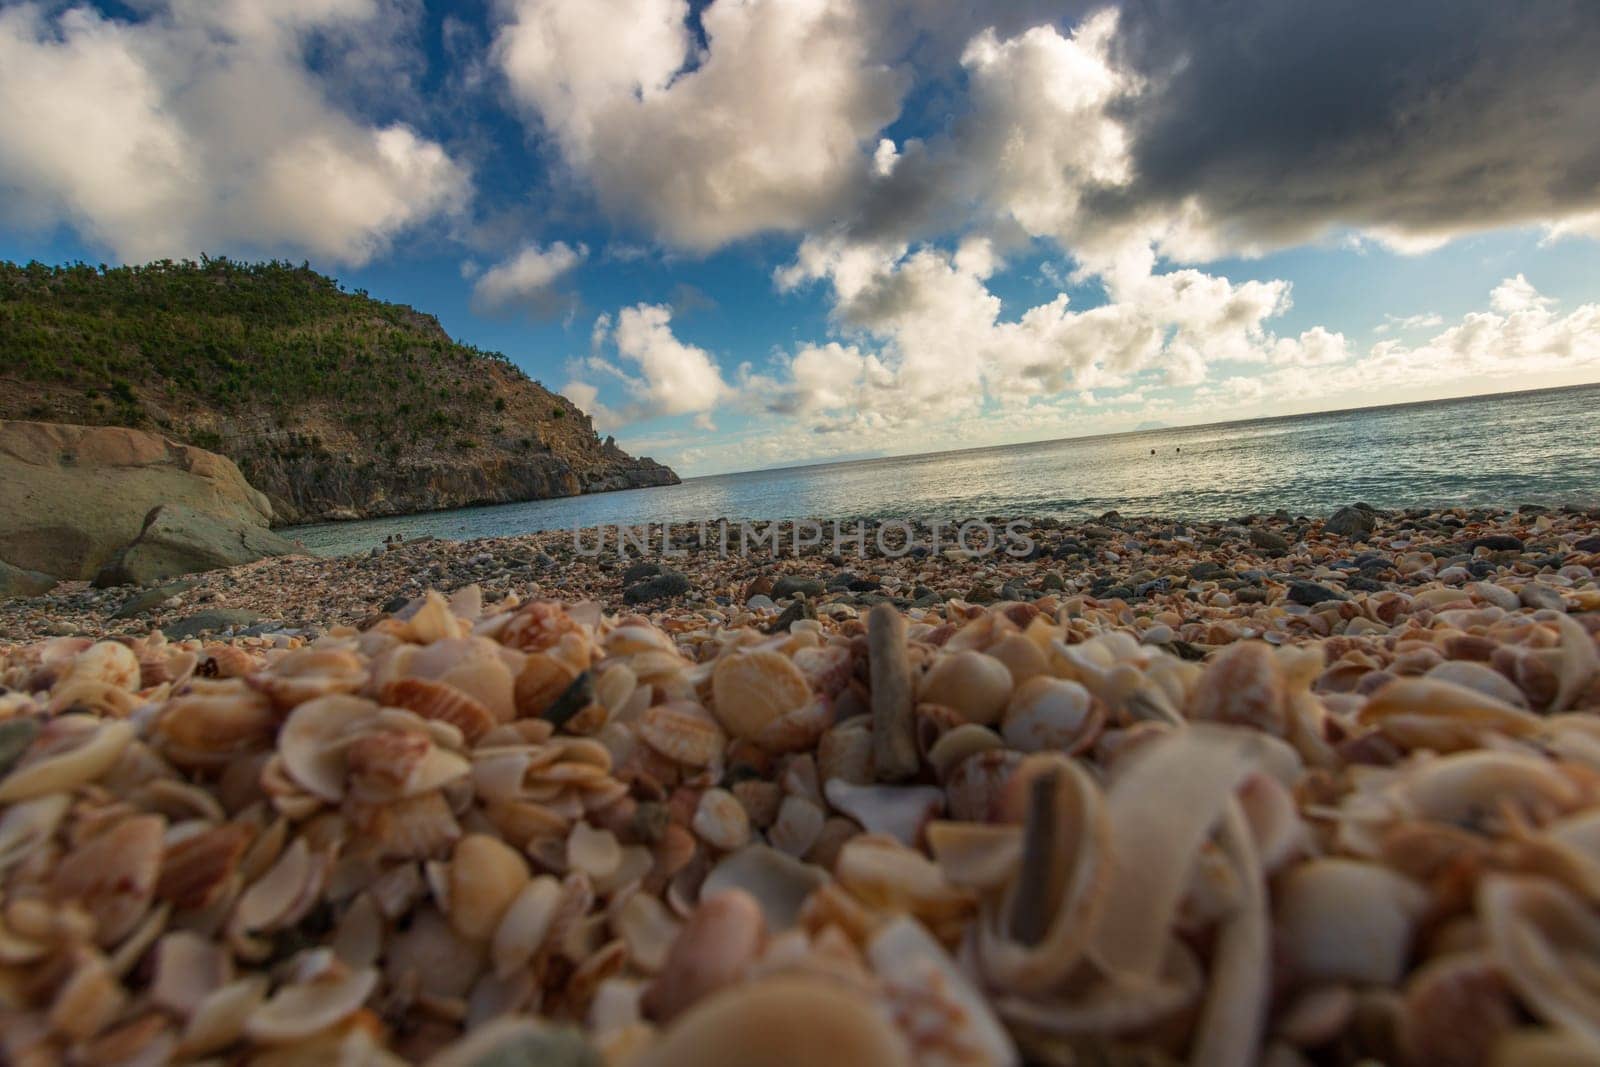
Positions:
(1423, 116)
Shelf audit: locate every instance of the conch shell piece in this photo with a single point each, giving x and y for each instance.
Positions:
(1034, 934)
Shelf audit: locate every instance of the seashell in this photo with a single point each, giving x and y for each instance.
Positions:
(1456, 1006)
(1022, 656)
(1037, 931)
(783, 1019)
(93, 697)
(797, 826)
(1545, 941)
(29, 824)
(894, 746)
(308, 673)
(1347, 920)
(845, 752)
(525, 925)
(430, 959)
(720, 820)
(975, 789)
(543, 679)
(146, 1039)
(648, 929)
(389, 765)
(1491, 683)
(417, 827)
(1428, 713)
(113, 875)
(197, 870)
(751, 689)
(920, 978)
(226, 661)
(1051, 714)
(827, 670)
(594, 852)
(683, 732)
(1243, 685)
(485, 877)
(955, 745)
(887, 875)
(898, 811)
(1547, 1047)
(311, 742)
(979, 856)
(778, 883)
(797, 729)
(975, 684)
(440, 702)
(71, 751)
(106, 662)
(433, 621)
(1467, 787)
(88, 999)
(284, 894)
(358, 940)
(188, 968)
(219, 1020)
(299, 1011)
(714, 949)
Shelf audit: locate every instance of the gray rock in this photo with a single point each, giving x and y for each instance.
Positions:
(16, 582)
(1310, 593)
(1268, 541)
(1499, 543)
(1206, 570)
(208, 621)
(639, 572)
(1350, 522)
(178, 540)
(1588, 544)
(664, 585)
(761, 602)
(790, 585)
(150, 599)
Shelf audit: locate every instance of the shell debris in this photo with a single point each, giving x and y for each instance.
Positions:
(1337, 829)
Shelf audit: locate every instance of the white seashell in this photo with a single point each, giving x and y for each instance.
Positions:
(100, 744)
(721, 821)
(525, 925)
(27, 825)
(594, 852)
(1479, 677)
(299, 1011)
(779, 883)
(797, 826)
(1051, 715)
(648, 929)
(188, 970)
(1345, 920)
(108, 662)
(219, 1020)
(901, 811)
(916, 970)
(974, 684)
(311, 742)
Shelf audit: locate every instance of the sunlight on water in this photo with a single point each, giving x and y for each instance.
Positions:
(1539, 447)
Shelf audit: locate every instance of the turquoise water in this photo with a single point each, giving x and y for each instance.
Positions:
(1537, 447)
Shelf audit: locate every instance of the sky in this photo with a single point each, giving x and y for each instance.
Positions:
(745, 233)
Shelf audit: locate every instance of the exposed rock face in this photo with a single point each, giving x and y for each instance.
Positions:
(179, 540)
(14, 581)
(74, 496)
(322, 487)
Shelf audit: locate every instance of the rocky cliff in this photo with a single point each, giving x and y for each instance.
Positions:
(333, 404)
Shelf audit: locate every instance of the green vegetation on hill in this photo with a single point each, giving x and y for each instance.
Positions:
(328, 400)
(231, 337)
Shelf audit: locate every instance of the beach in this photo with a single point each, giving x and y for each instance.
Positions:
(1281, 790)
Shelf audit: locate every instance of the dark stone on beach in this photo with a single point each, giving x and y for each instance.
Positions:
(1205, 570)
(1152, 588)
(1311, 594)
(209, 621)
(150, 599)
(1116, 592)
(863, 585)
(1250, 594)
(841, 580)
(918, 592)
(797, 610)
(1013, 591)
(1051, 581)
(1350, 522)
(1499, 543)
(395, 603)
(981, 594)
(1111, 516)
(664, 585)
(1531, 509)
(1362, 584)
(1481, 568)
(1068, 548)
(639, 572)
(792, 585)
(1539, 596)
(1268, 541)
(1588, 544)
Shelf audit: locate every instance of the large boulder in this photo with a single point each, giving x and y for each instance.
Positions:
(76, 495)
(179, 540)
(14, 581)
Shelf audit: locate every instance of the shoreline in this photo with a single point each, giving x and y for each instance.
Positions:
(1151, 564)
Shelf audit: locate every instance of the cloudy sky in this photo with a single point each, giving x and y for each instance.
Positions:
(751, 232)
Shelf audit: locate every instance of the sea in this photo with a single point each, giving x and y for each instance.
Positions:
(1538, 447)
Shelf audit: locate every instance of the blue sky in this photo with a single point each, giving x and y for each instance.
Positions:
(753, 232)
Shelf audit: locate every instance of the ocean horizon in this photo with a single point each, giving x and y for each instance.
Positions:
(1533, 446)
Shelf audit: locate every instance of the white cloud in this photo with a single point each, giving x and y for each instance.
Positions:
(1426, 320)
(526, 278)
(201, 126)
(674, 378)
(768, 127)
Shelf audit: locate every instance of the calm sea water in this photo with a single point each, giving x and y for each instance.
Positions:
(1538, 447)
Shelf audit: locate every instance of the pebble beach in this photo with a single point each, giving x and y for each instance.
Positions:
(1279, 789)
